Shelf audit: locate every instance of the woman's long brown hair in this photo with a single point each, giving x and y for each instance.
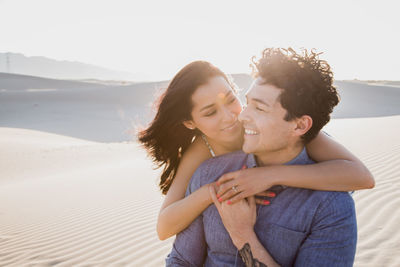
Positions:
(166, 138)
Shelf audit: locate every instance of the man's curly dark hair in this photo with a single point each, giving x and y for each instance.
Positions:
(306, 83)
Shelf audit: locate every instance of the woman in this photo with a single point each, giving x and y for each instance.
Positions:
(196, 120)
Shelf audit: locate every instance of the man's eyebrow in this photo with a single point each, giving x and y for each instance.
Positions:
(261, 101)
(209, 106)
(258, 101)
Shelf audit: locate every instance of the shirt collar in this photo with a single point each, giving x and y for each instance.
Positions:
(301, 158)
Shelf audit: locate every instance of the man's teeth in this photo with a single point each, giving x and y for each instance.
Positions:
(247, 131)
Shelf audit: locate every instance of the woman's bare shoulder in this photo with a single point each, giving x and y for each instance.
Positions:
(191, 159)
(196, 153)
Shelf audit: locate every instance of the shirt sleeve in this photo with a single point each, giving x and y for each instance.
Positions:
(189, 248)
(333, 237)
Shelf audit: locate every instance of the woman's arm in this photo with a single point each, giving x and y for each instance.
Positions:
(177, 212)
(337, 170)
(342, 171)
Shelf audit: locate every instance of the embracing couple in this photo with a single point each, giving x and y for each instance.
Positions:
(259, 184)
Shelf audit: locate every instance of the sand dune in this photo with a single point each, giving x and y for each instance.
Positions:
(75, 191)
(77, 203)
(99, 205)
(377, 143)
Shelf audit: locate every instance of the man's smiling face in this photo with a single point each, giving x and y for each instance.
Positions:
(266, 130)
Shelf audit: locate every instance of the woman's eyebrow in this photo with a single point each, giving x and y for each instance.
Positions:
(206, 107)
(209, 106)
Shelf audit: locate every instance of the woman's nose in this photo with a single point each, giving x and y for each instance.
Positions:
(229, 114)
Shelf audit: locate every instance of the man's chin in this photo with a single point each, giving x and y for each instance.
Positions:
(248, 149)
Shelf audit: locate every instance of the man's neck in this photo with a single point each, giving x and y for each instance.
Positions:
(221, 148)
(278, 157)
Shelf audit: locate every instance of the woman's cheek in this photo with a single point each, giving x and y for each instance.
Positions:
(208, 125)
(212, 123)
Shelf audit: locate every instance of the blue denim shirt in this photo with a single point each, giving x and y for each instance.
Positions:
(300, 227)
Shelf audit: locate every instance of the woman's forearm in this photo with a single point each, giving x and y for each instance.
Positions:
(332, 175)
(180, 214)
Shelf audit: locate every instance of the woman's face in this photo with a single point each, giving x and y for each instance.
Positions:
(215, 112)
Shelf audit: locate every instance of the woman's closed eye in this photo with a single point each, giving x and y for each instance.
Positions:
(232, 100)
(210, 113)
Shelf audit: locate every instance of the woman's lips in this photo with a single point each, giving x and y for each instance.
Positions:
(231, 127)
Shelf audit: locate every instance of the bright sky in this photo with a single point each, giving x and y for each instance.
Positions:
(360, 39)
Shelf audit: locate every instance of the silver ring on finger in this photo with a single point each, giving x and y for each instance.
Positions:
(234, 188)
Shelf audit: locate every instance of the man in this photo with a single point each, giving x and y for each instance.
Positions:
(287, 105)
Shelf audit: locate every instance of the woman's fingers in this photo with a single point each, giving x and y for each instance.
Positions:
(266, 194)
(227, 181)
(242, 195)
(224, 188)
(228, 195)
(262, 202)
(225, 178)
(229, 176)
(236, 198)
(213, 196)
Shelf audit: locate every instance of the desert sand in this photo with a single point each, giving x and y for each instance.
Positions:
(77, 190)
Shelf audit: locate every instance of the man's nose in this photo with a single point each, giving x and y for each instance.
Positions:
(243, 115)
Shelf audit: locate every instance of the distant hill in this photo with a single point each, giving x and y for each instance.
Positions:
(383, 82)
(355, 95)
(11, 82)
(57, 69)
(110, 111)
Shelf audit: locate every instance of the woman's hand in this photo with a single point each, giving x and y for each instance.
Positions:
(238, 219)
(207, 189)
(247, 182)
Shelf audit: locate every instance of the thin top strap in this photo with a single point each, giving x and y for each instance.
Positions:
(208, 145)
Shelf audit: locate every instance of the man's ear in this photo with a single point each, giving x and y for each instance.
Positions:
(303, 124)
(189, 124)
